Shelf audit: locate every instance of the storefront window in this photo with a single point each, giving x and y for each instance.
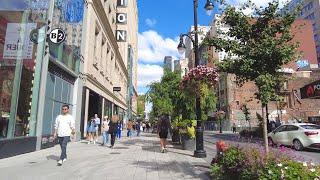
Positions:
(107, 108)
(17, 62)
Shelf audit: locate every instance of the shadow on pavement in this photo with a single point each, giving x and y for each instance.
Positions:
(185, 168)
(53, 157)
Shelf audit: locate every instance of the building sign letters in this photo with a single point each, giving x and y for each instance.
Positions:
(311, 91)
(121, 18)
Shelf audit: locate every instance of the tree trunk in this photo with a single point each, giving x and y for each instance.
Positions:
(265, 131)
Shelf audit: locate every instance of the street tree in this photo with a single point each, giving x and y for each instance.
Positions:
(246, 113)
(258, 46)
(141, 105)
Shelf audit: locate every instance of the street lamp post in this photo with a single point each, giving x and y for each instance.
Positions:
(199, 152)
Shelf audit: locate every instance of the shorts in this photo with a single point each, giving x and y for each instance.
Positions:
(91, 129)
(163, 134)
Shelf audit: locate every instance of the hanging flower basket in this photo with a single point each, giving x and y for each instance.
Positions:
(198, 76)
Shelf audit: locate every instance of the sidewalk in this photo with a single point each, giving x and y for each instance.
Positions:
(136, 158)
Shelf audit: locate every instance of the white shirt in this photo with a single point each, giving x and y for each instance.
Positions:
(64, 125)
(97, 120)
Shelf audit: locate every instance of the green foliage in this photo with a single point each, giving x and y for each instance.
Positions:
(230, 165)
(261, 44)
(167, 98)
(141, 105)
(208, 101)
(187, 127)
(252, 163)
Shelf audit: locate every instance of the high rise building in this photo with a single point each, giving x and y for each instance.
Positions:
(310, 11)
(110, 56)
(189, 54)
(182, 66)
(168, 63)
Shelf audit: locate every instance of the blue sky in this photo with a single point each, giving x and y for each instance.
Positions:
(171, 17)
(160, 23)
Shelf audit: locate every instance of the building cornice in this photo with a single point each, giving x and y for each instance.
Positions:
(98, 7)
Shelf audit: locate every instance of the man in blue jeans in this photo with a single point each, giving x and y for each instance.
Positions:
(63, 128)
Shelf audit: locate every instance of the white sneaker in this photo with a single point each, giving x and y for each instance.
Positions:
(64, 160)
(94, 142)
(89, 142)
(60, 162)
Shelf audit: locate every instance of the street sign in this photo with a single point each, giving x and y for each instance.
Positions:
(57, 36)
(116, 88)
(34, 36)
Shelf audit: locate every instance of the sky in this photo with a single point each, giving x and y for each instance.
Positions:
(160, 23)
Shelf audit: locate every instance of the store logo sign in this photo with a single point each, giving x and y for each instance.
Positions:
(121, 35)
(121, 18)
(311, 91)
(57, 36)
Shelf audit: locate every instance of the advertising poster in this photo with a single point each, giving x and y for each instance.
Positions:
(13, 42)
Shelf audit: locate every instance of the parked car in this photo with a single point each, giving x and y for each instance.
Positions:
(298, 135)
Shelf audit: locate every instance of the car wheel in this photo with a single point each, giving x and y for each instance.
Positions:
(297, 145)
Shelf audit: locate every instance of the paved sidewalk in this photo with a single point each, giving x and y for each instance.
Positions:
(135, 158)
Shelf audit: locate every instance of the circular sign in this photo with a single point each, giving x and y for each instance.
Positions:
(57, 36)
(34, 36)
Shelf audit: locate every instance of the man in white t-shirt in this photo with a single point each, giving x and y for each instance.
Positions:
(64, 127)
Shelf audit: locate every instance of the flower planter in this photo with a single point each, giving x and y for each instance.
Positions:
(176, 137)
(188, 144)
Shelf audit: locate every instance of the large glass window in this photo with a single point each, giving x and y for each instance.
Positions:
(59, 90)
(17, 63)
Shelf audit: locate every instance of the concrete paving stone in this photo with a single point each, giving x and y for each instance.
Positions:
(132, 158)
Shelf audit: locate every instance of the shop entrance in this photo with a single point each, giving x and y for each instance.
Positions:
(95, 105)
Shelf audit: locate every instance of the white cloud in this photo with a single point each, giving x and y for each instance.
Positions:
(148, 73)
(259, 3)
(151, 22)
(153, 47)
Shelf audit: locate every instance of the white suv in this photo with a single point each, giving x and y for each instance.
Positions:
(298, 135)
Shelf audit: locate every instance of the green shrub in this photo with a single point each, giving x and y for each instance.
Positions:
(252, 164)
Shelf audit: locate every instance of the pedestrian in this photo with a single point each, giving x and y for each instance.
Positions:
(64, 127)
(97, 122)
(138, 128)
(148, 127)
(119, 128)
(143, 127)
(129, 128)
(104, 130)
(91, 129)
(163, 128)
(113, 129)
(234, 128)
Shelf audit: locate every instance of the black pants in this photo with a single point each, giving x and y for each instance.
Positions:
(113, 138)
(63, 141)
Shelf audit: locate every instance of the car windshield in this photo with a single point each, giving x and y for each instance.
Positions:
(310, 126)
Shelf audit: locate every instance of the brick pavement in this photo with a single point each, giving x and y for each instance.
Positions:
(137, 158)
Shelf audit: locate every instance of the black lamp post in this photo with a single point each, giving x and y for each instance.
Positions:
(199, 152)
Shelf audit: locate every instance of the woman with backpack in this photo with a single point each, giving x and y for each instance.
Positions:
(164, 126)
